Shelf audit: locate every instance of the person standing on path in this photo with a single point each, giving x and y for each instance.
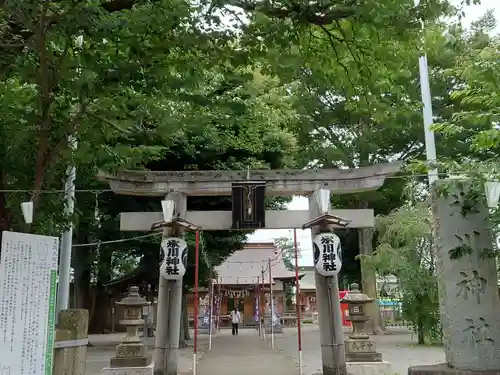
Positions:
(235, 320)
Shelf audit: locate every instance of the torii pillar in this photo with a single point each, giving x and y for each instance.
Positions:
(168, 323)
(327, 288)
(277, 183)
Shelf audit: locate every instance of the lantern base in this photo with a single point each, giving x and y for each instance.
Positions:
(130, 355)
(141, 370)
(361, 350)
(363, 357)
(117, 362)
(369, 368)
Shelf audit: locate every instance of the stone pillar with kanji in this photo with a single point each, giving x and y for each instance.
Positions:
(467, 282)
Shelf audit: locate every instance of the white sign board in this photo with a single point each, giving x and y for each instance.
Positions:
(327, 254)
(174, 263)
(28, 286)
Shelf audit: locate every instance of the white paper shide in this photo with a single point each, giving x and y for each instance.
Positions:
(327, 254)
(28, 285)
(174, 263)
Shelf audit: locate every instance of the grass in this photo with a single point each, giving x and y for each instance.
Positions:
(427, 344)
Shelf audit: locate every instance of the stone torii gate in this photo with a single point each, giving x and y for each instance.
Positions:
(175, 186)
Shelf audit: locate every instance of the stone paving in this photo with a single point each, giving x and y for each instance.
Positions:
(245, 354)
(399, 348)
(249, 353)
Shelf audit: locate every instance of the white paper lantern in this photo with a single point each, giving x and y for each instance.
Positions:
(27, 210)
(327, 254)
(174, 262)
(492, 189)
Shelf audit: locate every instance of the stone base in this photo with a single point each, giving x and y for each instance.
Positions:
(119, 362)
(361, 350)
(443, 369)
(363, 357)
(369, 368)
(145, 370)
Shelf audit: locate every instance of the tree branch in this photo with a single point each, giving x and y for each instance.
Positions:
(315, 15)
(110, 123)
(21, 26)
(70, 129)
(118, 5)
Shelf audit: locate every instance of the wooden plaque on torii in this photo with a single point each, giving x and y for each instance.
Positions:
(248, 205)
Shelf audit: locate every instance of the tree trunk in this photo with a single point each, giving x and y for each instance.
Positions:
(81, 261)
(184, 336)
(369, 283)
(98, 320)
(420, 330)
(5, 215)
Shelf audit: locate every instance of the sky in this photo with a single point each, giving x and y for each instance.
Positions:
(472, 13)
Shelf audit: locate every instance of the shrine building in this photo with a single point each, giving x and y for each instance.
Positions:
(237, 282)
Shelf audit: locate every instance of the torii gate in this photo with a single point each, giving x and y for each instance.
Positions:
(175, 186)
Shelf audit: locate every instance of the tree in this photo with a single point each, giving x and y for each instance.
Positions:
(242, 125)
(352, 115)
(101, 72)
(476, 97)
(350, 76)
(476, 91)
(352, 119)
(405, 250)
(287, 249)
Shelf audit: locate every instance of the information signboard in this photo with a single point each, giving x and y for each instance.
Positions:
(28, 286)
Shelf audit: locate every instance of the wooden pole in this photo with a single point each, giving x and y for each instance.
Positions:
(211, 299)
(258, 305)
(219, 302)
(263, 300)
(297, 299)
(271, 303)
(196, 281)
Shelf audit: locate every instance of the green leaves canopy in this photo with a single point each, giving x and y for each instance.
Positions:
(405, 242)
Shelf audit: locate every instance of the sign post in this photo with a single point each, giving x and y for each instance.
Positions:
(28, 288)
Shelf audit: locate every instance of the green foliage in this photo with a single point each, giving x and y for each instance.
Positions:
(405, 243)
(286, 247)
(472, 110)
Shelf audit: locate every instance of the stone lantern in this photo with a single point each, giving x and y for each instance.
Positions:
(132, 352)
(359, 347)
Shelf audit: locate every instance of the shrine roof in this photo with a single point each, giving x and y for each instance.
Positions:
(244, 266)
